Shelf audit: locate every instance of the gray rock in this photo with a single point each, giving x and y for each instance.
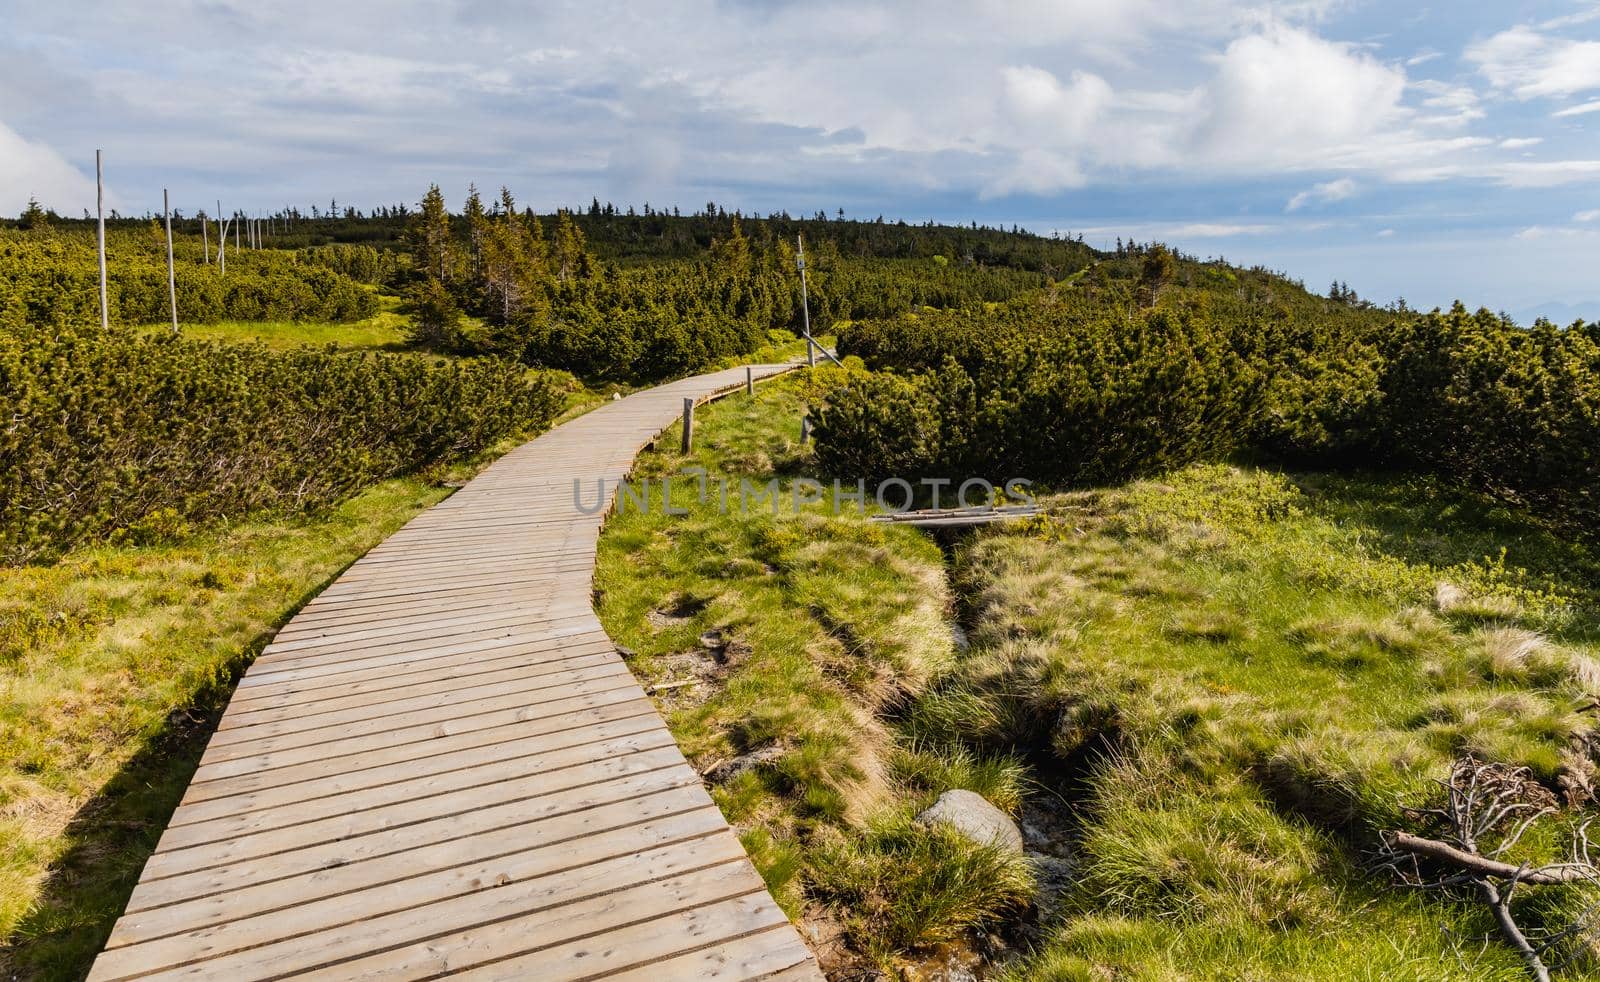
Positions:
(727, 770)
(971, 814)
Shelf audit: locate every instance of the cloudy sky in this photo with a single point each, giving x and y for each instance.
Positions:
(1416, 151)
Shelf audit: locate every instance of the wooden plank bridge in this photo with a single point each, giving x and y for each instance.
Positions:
(441, 766)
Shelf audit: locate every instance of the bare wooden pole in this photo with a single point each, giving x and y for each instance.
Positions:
(222, 238)
(205, 238)
(812, 347)
(805, 430)
(235, 223)
(749, 381)
(805, 303)
(100, 211)
(172, 275)
(688, 425)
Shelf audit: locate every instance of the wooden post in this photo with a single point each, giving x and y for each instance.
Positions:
(100, 211)
(205, 237)
(749, 381)
(172, 275)
(222, 239)
(235, 223)
(688, 425)
(805, 430)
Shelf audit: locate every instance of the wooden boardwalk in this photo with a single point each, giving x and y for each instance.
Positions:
(441, 766)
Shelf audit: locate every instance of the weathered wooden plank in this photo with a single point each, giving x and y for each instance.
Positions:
(442, 765)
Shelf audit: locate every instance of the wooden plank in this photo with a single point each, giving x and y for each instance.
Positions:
(161, 891)
(345, 879)
(442, 764)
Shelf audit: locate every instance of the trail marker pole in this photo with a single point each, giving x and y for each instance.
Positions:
(172, 275)
(688, 425)
(805, 430)
(100, 211)
(749, 381)
(205, 237)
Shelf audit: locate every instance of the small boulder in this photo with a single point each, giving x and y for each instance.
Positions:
(726, 770)
(971, 814)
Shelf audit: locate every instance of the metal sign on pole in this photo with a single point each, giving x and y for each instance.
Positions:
(172, 276)
(100, 210)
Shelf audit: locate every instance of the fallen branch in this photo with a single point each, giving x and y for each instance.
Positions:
(1487, 809)
(1483, 866)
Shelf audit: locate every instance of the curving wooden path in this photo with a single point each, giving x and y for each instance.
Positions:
(441, 766)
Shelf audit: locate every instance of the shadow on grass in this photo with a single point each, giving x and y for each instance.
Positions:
(1418, 519)
(115, 832)
(108, 841)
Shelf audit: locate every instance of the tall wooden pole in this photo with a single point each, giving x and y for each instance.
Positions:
(205, 237)
(172, 275)
(100, 210)
(805, 303)
(688, 425)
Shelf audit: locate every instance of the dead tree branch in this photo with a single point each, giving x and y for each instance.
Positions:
(1491, 803)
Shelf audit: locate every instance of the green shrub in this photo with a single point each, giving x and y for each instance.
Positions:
(50, 277)
(1500, 409)
(1039, 392)
(133, 433)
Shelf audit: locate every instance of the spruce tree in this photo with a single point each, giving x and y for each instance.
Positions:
(429, 236)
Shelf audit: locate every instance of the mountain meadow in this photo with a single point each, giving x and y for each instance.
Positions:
(1293, 671)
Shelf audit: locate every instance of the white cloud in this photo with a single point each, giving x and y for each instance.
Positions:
(1578, 110)
(32, 169)
(539, 56)
(1384, 233)
(1325, 193)
(1453, 105)
(1288, 97)
(1568, 20)
(1041, 96)
(1530, 65)
(1534, 232)
(1546, 174)
(1520, 142)
(1591, 215)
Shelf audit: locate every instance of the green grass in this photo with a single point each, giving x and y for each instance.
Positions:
(115, 663)
(1234, 678)
(821, 628)
(385, 331)
(1246, 677)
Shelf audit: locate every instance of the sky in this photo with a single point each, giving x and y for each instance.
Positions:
(1421, 152)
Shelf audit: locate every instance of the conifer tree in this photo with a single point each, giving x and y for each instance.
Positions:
(429, 236)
